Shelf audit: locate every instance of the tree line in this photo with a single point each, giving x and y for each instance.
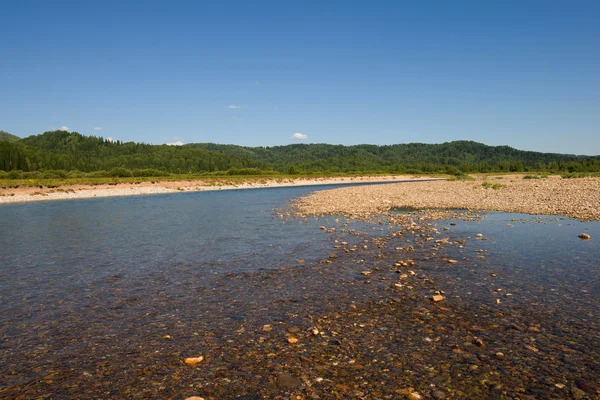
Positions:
(73, 152)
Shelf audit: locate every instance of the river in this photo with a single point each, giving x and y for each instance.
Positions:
(105, 298)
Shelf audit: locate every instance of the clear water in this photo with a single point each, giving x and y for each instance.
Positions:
(86, 281)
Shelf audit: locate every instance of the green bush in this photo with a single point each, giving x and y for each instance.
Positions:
(75, 174)
(244, 171)
(148, 172)
(15, 174)
(119, 172)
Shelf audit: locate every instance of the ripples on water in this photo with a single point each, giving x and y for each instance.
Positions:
(85, 283)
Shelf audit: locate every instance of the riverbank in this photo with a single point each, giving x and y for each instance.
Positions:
(66, 192)
(575, 198)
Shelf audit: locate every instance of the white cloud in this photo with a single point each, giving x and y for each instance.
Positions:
(177, 143)
(234, 107)
(64, 128)
(235, 118)
(98, 128)
(299, 136)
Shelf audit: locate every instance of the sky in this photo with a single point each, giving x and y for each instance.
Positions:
(264, 73)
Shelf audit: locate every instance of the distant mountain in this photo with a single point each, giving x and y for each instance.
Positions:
(71, 151)
(8, 136)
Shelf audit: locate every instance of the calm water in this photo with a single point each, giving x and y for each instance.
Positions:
(106, 277)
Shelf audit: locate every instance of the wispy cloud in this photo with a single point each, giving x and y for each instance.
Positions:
(234, 107)
(177, 143)
(235, 118)
(299, 136)
(98, 128)
(64, 128)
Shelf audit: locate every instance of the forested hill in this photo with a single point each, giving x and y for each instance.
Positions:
(66, 151)
(8, 136)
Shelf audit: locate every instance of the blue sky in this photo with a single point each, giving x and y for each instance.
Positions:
(521, 73)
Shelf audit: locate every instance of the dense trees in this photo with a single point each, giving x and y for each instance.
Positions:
(66, 151)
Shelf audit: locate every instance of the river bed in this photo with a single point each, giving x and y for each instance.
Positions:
(106, 298)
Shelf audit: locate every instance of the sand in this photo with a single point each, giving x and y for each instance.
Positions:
(67, 192)
(575, 198)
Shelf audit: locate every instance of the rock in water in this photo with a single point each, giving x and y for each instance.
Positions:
(437, 297)
(193, 360)
(288, 381)
(585, 236)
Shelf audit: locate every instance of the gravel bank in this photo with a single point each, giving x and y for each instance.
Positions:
(576, 198)
(71, 192)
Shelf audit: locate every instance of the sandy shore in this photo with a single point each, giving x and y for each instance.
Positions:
(65, 192)
(576, 198)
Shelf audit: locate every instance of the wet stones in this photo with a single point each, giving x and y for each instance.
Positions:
(287, 381)
(438, 395)
(437, 298)
(292, 340)
(192, 361)
(584, 236)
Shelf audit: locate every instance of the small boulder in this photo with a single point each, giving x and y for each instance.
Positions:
(584, 236)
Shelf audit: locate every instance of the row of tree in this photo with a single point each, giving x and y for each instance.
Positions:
(71, 151)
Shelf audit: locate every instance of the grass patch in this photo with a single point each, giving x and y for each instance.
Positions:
(461, 178)
(493, 186)
(572, 175)
(535, 177)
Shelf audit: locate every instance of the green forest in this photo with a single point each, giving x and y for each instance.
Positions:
(70, 154)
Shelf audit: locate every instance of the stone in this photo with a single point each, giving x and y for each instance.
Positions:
(452, 261)
(414, 396)
(288, 381)
(292, 340)
(499, 355)
(584, 236)
(438, 394)
(193, 360)
(437, 297)
(479, 235)
(194, 398)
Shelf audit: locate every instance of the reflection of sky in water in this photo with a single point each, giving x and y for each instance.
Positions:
(539, 265)
(543, 249)
(53, 249)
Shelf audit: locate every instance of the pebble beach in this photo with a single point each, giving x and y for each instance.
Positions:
(575, 198)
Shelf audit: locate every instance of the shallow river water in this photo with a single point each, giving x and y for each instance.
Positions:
(106, 298)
